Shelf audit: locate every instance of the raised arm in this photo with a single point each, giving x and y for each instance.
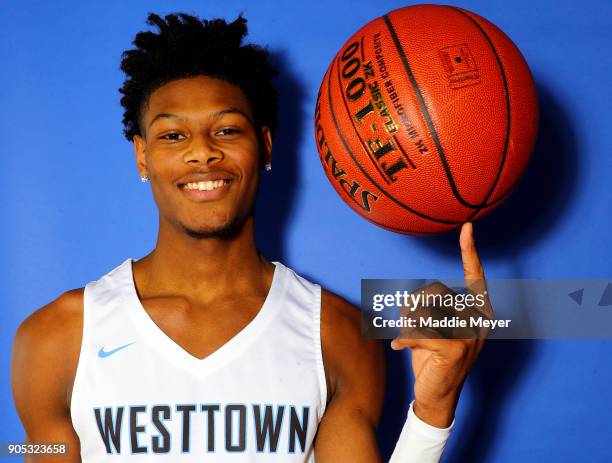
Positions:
(45, 356)
(355, 374)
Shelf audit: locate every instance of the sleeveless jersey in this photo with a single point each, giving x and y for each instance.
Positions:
(139, 396)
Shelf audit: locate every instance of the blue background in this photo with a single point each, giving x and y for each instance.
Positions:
(74, 207)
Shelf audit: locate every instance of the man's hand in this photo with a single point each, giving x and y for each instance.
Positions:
(440, 366)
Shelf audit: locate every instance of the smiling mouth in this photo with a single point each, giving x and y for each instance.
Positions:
(205, 186)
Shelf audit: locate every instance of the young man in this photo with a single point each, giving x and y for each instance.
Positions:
(203, 350)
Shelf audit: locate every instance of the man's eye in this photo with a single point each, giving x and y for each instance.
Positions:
(228, 131)
(173, 136)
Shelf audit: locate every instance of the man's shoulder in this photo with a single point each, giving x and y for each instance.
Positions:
(54, 326)
(45, 355)
(339, 315)
(341, 324)
(347, 355)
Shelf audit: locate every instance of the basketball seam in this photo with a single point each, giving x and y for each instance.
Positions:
(501, 199)
(508, 113)
(426, 115)
(405, 231)
(363, 171)
(505, 195)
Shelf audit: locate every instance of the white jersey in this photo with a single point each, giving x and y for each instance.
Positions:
(139, 396)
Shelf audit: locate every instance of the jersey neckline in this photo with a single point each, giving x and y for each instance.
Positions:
(169, 348)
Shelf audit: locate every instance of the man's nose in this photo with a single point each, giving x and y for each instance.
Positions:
(203, 151)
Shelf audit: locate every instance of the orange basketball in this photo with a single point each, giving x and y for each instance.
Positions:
(426, 118)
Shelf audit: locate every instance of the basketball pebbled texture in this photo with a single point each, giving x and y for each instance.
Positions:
(426, 118)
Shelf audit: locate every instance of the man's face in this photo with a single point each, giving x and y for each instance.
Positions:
(202, 154)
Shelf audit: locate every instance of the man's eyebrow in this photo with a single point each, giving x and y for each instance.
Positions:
(215, 115)
(165, 115)
(218, 114)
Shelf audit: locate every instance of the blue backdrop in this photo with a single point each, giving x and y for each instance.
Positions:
(74, 207)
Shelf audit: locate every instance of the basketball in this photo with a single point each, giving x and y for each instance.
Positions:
(426, 118)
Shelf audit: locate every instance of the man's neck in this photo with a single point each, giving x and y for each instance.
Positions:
(203, 269)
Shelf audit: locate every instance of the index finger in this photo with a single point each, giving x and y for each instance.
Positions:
(472, 268)
(473, 273)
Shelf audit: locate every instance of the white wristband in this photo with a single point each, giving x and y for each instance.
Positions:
(420, 442)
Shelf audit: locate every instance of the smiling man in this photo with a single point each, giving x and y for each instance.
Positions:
(203, 350)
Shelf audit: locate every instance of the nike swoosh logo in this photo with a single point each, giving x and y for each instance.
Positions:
(107, 353)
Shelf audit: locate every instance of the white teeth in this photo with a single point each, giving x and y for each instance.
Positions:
(205, 186)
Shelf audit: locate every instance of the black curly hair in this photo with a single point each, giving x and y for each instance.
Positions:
(186, 46)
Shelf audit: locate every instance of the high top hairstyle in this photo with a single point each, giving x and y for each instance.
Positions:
(186, 46)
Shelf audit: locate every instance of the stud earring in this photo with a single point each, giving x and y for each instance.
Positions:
(144, 178)
(268, 166)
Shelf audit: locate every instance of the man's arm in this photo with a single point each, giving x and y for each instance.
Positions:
(45, 356)
(355, 377)
(355, 373)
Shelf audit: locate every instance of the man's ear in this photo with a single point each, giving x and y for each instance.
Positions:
(139, 151)
(265, 138)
